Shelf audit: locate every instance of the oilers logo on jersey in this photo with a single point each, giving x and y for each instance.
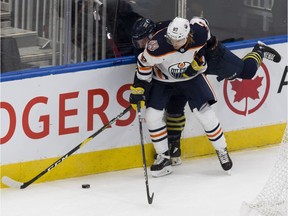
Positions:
(177, 70)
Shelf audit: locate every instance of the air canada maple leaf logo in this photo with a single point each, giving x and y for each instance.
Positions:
(246, 89)
(244, 97)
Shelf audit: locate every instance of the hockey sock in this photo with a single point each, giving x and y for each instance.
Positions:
(175, 123)
(212, 127)
(157, 129)
(175, 126)
(252, 62)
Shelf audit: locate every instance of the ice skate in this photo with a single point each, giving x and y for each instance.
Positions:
(175, 153)
(162, 165)
(224, 159)
(267, 52)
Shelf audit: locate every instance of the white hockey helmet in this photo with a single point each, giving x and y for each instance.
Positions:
(178, 29)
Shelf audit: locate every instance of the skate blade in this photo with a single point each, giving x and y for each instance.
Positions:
(159, 173)
(176, 161)
(228, 172)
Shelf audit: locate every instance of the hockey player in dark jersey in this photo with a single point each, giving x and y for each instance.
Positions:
(221, 62)
(225, 64)
(165, 59)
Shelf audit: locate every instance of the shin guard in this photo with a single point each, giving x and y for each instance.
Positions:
(157, 129)
(212, 127)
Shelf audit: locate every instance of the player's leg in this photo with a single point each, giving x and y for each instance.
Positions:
(200, 97)
(253, 60)
(158, 98)
(223, 63)
(214, 132)
(226, 65)
(175, 119)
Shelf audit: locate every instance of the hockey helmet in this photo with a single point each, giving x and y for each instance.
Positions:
(178, 29)
(142, 29)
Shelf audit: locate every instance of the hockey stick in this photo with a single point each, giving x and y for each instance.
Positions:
(112, 44)
(12, 183)
(150, 198)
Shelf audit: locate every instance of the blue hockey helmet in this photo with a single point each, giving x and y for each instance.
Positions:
(143, 28)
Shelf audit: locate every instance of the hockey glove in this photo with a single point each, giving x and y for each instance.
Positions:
(137, 96)
(190, 72)
(198, 65)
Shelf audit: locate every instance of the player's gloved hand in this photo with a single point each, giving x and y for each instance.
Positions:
(220, 78)
(137, 96)
(198, 63)
(190, 72)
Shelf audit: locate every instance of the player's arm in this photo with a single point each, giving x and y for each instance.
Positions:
(201, 35)
(147, 60)
(212, 41)
(141, 86)
(144, 69)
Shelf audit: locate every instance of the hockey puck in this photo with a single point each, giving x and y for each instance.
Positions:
(85, 186)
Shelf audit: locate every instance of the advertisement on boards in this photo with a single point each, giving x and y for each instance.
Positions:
(42, 117)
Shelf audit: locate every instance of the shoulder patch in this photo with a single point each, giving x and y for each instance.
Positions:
(152, 45)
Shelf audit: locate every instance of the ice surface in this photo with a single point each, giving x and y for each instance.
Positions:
(198, 187)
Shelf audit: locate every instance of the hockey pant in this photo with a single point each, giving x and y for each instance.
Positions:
(226, 65)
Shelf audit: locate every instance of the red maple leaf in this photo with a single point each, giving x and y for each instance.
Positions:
(246, 88)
